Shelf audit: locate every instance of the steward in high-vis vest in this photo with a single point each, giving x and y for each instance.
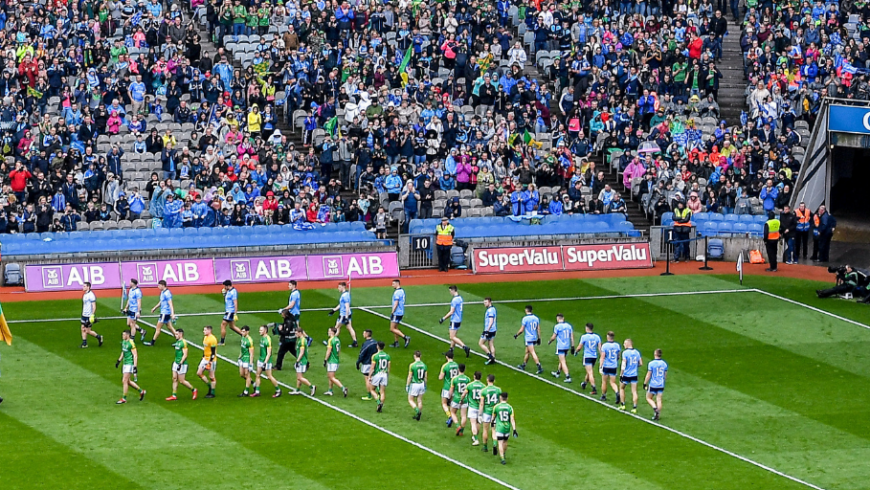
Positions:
(444, 243)
(682, 229)
(771, 239)
(804, 225)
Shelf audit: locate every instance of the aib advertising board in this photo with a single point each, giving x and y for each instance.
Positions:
(561, 258)
(197, 272)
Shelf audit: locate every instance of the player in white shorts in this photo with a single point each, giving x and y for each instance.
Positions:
(380, 376)
(418, 376)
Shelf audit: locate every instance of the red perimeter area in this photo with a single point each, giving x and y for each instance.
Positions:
(428, 277)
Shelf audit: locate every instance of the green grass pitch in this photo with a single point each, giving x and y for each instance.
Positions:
(762, 394)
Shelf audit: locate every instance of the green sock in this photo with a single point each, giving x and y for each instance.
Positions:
(125, 397)
(173, 393)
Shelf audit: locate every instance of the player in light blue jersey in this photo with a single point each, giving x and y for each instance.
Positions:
(294, 303)
(563, 334)
(654, 383)
(167, 312)
(344, 314)
(591, 344)
(397, 313)
(455, 316)
(231, 310)
(609, 366)
(490, 328)
(631, 361)
(531, 327)
(133, 308)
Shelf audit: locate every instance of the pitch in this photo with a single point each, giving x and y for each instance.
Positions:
(762, 392)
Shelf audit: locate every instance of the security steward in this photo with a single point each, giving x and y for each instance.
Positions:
(444, 243)
(802, 242)
(771, 239)
(286, 331)
(682, 229)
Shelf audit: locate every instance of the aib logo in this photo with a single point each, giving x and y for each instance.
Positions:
(51, 277)
(332, 266)
(241, 270)
(148, 273)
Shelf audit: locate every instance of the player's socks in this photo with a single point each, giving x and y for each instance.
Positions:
(172, 398)
(568, 379)
(594, 391)
(84, 344)
(583, 385)
(142, 395)
(540, 369)
(503, 462)
(485, 449)
(344, 391)
(380, 406)
(474, 441)
(522, 366)
(495, 449)
(449, 422)
(277, 393)
(308, 342)
(327, 393)
(617, 398)
(354, 344)
(604, 398)
(142, 336)
(407, 340)
(459, 431)
(222, 340)
(100, 340)
(194, 393)
(556, 374)
(467, 350)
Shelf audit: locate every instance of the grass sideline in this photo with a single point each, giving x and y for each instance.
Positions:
(704, 345)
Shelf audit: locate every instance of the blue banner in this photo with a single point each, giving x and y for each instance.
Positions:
(849, 119)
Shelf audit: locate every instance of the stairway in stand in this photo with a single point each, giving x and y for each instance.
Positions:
(732, 86)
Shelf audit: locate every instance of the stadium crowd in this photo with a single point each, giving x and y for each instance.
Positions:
(398, 102)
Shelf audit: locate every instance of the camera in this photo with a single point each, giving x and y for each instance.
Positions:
(840, 271)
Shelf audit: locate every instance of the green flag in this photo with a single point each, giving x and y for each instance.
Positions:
(527, 137)
(331, 125)
(406, 59)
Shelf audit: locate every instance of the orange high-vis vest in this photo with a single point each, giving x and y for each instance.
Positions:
(803, 217)
(444, 235)
(773, 229)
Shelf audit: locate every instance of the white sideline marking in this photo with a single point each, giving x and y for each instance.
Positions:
(810, 307)
(613, 407)
(505, 301)
(366, 422)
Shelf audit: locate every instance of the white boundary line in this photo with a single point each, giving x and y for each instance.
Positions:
(366, 422)
(613, 407)
(503, 301)
(813, 308)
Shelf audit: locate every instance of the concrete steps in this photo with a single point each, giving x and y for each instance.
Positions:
(733, 84)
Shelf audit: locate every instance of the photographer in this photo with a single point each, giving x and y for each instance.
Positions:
(849, 280)
(286, 332)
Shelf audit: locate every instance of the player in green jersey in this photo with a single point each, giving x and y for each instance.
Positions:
(264, 363)
(415, 385)
(130, 358)
(302, 361)
(473, 389)
(448, 370)
(179, 367)
(380, 375)
(459, 399)
(331, 360)
(246, 354)
(488, 399)
(503, 415)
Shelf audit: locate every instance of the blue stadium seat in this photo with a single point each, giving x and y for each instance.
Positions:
(708, 228)
(740, 227)
(715, 217)
(715, 249)
(669, 216)
(701, 217)
(725, 227)
(760, 218)
(731, 217)
(756, 228)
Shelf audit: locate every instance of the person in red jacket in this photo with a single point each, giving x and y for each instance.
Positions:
(696, 45)
(18, 181)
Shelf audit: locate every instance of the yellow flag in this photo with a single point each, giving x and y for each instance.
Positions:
(5, 334)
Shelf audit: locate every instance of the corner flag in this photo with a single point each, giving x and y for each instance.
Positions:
(740, 266)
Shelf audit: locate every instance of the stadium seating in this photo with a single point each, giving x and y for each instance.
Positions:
(719, 225)
(181, 238)
(549, 227)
